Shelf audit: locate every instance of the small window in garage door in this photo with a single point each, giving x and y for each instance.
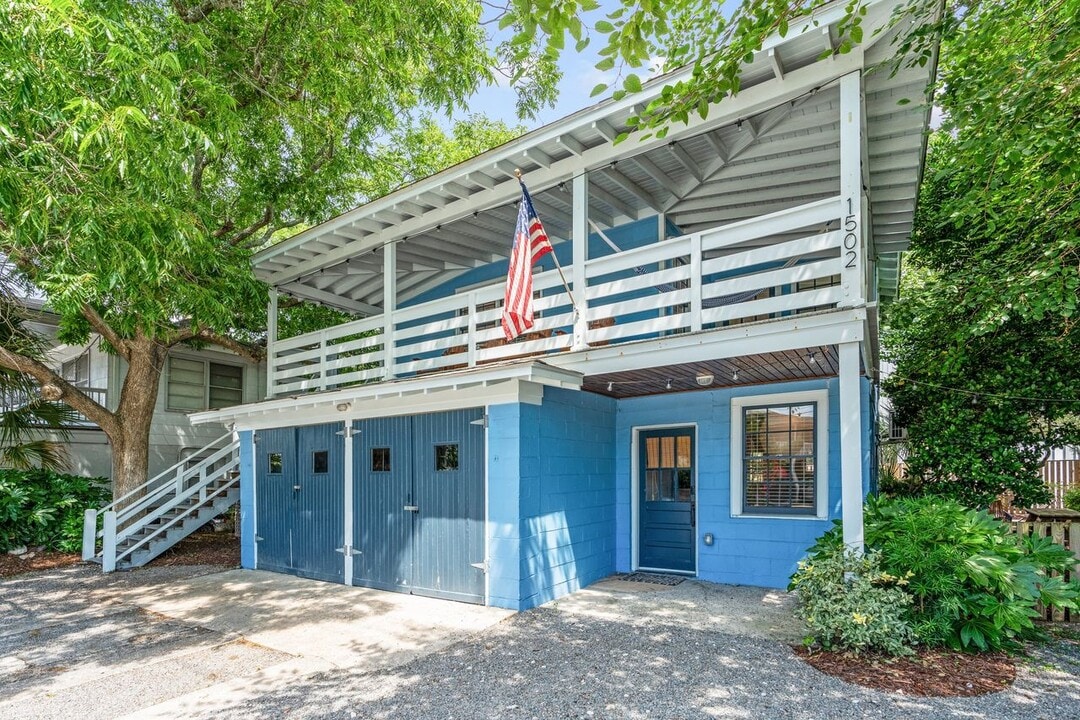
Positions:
(274, 463)
(446, 457)
(320, 462)
(380, 459)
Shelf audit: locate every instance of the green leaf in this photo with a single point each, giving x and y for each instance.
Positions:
(601, 87)
(632, 83)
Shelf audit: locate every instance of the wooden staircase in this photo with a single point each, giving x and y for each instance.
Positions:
(136, 528)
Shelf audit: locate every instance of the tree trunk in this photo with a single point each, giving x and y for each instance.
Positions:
(130, 440)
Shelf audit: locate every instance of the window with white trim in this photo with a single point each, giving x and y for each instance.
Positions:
(779, 455)
(202, 385)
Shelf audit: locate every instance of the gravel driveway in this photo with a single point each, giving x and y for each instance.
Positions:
(615, 650)
(608, 653)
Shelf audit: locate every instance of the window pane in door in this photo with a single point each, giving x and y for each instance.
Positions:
(652, 452)
(667, 484)
(320, 462)
(683, 451)
(686, 487)
(667, 452)
(652, 485)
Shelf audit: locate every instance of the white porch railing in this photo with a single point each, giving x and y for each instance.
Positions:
(153, 510)
(737, 272)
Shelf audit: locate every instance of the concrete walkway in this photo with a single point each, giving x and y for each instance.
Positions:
(171, 642)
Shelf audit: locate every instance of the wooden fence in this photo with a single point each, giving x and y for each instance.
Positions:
(1059, 476)
(1066, 533)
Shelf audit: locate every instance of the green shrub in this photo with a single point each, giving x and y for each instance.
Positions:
(41, 507)
(1072, 498)
(849, 603)
(974, 584)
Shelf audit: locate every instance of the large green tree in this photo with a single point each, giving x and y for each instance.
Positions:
(146, 147)
(984, 337)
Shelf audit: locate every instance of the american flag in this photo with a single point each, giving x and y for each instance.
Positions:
(530, 244)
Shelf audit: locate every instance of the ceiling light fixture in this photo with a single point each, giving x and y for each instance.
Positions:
(704, 379)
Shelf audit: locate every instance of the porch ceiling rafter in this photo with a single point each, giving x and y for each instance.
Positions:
(751, 100)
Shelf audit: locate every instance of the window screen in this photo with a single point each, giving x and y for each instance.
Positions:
(187, 384)
(226, 385)
(200, 385)
(779, 459)
(446, 457)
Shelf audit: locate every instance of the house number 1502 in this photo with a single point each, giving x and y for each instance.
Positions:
(851, 237)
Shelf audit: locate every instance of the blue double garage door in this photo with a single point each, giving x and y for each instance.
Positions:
(402, 509)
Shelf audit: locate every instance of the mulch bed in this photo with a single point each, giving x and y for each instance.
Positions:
(200, 549)
(221, 548)
(929, 673)
(11, 565)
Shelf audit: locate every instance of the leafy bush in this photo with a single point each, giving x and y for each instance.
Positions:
(848, 602)
(1072, 498)
(41, 507)
(974, 584)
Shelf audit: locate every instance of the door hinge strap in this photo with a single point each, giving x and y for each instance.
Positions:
(348, 551)
(481, 566)
(482, 421)
(348, 432)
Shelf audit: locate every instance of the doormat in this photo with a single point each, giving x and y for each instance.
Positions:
(653, 578)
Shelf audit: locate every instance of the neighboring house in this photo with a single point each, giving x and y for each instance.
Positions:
(193, 380)
(708, 409)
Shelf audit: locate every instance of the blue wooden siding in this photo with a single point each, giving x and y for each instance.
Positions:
(551, 497)
(747, 550)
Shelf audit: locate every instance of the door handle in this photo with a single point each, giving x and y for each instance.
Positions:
(693, 514)
(412, 508)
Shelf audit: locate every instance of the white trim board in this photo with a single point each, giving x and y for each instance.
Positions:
(635, 486)
(505, 383)
(821, 462)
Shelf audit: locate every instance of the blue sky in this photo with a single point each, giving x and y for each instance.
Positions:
(579, 78)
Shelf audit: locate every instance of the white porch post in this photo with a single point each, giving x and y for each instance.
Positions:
(89, 534)
(108, 542)
(271, 338)
(580, 240)
(853, 253)
(389, 304)
(851, 450)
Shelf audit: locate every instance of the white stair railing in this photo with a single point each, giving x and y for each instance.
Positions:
(129, 514)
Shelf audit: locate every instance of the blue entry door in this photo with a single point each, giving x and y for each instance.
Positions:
(666, 497)
(300, 501)
(419, 504)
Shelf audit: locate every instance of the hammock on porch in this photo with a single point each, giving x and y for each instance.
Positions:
(721, 301)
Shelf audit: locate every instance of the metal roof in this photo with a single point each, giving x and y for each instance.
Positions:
(774, 145)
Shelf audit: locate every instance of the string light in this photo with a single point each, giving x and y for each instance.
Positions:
(735, 375)
(975, 394)
(811, 357)
(668, 386)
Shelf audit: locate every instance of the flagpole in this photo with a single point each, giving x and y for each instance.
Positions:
(554, 256)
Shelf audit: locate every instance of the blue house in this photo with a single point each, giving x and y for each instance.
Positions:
(700, 400)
